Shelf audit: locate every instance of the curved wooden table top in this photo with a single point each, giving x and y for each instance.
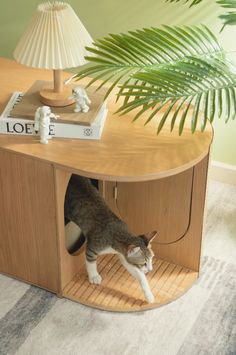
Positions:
(126, 152)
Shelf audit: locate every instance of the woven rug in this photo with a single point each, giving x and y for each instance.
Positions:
(203, 321)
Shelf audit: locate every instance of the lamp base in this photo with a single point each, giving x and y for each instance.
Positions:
(57, 99)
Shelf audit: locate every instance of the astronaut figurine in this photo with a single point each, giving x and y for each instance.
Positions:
(42, 122)
(81, 99)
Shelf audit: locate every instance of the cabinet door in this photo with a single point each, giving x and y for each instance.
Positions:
(28, 245)
(162, 205)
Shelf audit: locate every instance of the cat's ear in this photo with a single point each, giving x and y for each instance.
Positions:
(132, 250)
(150, 236)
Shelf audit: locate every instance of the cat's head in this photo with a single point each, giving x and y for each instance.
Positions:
(141, 256)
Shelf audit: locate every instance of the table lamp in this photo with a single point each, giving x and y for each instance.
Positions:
(55, 39)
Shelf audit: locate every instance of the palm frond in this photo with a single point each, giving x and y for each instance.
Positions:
(171, 69)
(230, 17)
(194, 84)
(193, 2)
(121, 56)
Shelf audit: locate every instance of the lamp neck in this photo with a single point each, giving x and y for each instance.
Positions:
(58, 80)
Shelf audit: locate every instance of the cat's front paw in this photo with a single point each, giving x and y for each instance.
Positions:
(150, 298)
(96, 279)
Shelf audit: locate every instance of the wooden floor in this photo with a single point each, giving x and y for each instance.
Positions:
(120, 292)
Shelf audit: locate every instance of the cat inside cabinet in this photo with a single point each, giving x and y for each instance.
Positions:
(74, 238)
(146, 206)
(106, 234)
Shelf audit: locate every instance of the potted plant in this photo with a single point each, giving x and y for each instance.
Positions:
(181, 70)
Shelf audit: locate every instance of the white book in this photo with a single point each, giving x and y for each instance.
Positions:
(21, 126)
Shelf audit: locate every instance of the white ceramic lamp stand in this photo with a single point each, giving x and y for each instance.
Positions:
(55, 39)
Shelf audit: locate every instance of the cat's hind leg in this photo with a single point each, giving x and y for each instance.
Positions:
(91, 266)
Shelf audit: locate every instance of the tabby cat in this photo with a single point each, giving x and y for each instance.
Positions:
(106, 233)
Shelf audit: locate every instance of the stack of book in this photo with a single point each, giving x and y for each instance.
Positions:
(18, 116)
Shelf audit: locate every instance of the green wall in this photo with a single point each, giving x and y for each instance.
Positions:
(101, 17)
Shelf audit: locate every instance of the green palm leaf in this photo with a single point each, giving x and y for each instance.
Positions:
(193, 2)
(194, 82)
(122, 55)
(230, 17)
(170, 68)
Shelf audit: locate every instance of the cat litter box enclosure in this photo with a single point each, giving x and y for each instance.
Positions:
(151, 182)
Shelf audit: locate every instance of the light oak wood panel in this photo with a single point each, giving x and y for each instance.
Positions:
(68, 264)
(28, 244)
(187, 251)
(162, 205)
(173, 206)
(126, 152)
(120, 292)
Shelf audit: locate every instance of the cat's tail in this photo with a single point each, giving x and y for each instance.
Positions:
(78, 244)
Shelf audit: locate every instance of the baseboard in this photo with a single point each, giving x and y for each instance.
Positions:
(223, 172)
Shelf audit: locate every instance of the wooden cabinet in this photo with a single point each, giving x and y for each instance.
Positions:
(28, 227)
(152, 182)
(154, 205)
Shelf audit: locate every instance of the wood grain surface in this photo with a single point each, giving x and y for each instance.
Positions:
(126, 152)
(120, 292)
(157, 205)
(28, 236)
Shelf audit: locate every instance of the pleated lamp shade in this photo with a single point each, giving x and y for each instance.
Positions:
(55, 39)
